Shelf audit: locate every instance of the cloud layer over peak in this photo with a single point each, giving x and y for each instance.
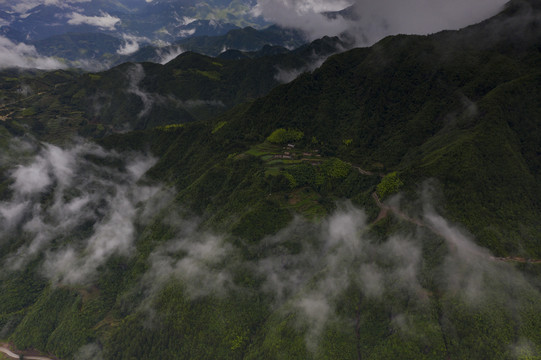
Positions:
(373, 20)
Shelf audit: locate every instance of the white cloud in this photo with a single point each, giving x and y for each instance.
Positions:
(81, 192)
(186, 33)
(131, 44)
(105, 21)
(169, 53)
(185, 20)
(33, 178)
(203, 254)
(331, 257)
(11, 213)
(21, 55)
(135, 75)
(23, 6)
(300, 6)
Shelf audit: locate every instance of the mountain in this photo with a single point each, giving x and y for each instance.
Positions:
(99, 51)
(246, 39)
(80, 33)
(138, 96)
(203, 28)
(384, 205)
(153, 20)
(78, 46)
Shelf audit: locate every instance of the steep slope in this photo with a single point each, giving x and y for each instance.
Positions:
(138, 96)
(432, 107)
(254, 245)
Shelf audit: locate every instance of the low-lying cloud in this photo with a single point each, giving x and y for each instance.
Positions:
(200, 267)
(94, 201)
(334, 256)
(82, 205)
(131, 45)
(166, 54)
(104, 22)
(284, 75)
(135, 75)
(20, 55)
(341, 254)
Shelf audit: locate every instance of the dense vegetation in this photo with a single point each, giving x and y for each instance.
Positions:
(98, 51)
(139, 96)
(259, 250)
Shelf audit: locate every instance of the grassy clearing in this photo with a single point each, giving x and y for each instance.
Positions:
(265, 149)
(274, 155)
(306, 201)
(273, 171)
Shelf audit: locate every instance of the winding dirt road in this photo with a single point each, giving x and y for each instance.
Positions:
(9, 353)
(13, 355)
(386, 209)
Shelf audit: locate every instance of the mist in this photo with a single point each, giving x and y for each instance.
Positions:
(369, 21)
(25, 5)
(76, 207)
(201, 267)
(336, 255)
(168, 53)
(104, 22)
(284, 75)
(135, 75)
(20, 55)
(72, 209)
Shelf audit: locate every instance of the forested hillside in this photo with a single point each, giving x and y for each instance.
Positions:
(144, 95)
(383, 206)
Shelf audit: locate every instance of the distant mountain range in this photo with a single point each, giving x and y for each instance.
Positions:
(247, 40)
(99, 51)
(100, 34)
(154, 20)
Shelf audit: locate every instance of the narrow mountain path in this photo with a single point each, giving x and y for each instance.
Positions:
(9, 353)
(362, 171)
(386, 209)
(5, 117)
(517, 260)
(3, 106)
(5, 350)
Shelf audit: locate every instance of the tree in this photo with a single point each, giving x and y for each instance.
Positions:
(282, 136)
(390, 184)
